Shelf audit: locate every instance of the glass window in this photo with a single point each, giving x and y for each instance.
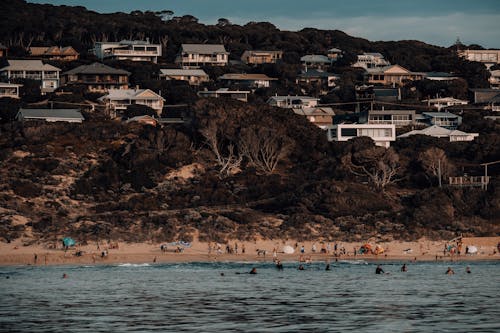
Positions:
(348, 132)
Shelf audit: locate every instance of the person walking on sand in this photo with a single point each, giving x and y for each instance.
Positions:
(450, 271)
(35, 258)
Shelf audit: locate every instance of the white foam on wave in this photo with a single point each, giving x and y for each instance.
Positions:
(133, 265)
(354, 262)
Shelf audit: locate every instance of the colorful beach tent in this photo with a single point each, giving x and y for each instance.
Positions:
(68, 241)
(288, 249)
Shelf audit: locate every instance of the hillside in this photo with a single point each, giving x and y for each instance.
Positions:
(129, 182)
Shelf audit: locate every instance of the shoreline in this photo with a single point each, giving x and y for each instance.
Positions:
(15, 254)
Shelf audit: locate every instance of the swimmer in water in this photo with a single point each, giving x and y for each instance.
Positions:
(253, 271)
(379, 270)
(65, 276)
(301, 268)
(450, 271)
(279, 265)
(404, 268)
(327, 268)
(468, 270)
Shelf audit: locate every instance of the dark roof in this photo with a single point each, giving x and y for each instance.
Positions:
(51, 113)
(96, 68)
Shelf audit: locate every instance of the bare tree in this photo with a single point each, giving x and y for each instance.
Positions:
(264, 147)
(378, 164)
(226, 156)
(435, 163)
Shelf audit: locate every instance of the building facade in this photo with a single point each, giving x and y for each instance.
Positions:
(381, 134)
(46, 74)
(97, 77)
(134, 50)
(196, 55)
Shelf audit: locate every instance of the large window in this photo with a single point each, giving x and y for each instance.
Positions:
(375, 132)
(348, 132)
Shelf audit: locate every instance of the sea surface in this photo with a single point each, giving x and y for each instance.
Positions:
(196, 297)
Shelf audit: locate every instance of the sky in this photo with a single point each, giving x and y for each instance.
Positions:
(437, 22)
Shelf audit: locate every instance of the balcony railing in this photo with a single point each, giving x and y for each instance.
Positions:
(134, 52)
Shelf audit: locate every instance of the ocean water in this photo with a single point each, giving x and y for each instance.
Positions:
(195, 297)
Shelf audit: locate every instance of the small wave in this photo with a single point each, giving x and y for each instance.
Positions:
(133, 265)
(354, 262)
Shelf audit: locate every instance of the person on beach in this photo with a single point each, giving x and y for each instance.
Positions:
(243, 248)
(467, 270)
(404, 268)
(35, 258)
(379, 270)
(302, 249)
(253, 271)
(450, 271)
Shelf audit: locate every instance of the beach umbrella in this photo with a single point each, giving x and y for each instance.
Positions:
(288, 249)
(68, 241)
(472, 249)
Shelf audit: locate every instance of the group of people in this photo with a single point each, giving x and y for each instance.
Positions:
(217, 248)
(404, 268)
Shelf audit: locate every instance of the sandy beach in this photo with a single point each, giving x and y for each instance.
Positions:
(15, 253)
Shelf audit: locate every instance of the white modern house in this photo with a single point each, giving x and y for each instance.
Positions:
(196, 55)
(293, 101)
(381, 134)
(48, 75)
(194, 77)
(135, 50)
(9, 90)
(441, 132)
(50, 115)
(119, 99)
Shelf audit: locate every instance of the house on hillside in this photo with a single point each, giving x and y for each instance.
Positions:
(247, 80)
(371, 60)
(399, 118)
(194, 77)
(391, 75)
(117, 100)
(196, 55)
(334, 54)
(443, 119)
(315, 61)
(487, 57)
(381, 134)
(9, 90)
(134, 50)
(319, 116)
(495, 79)
(48, 75)
(317, 77)
(441, 132)
(67, 53)
(97, 77)
(440, 103)
(240, 95)
(256, 57)
(385, 94)
(293, 101)
(50, 115)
